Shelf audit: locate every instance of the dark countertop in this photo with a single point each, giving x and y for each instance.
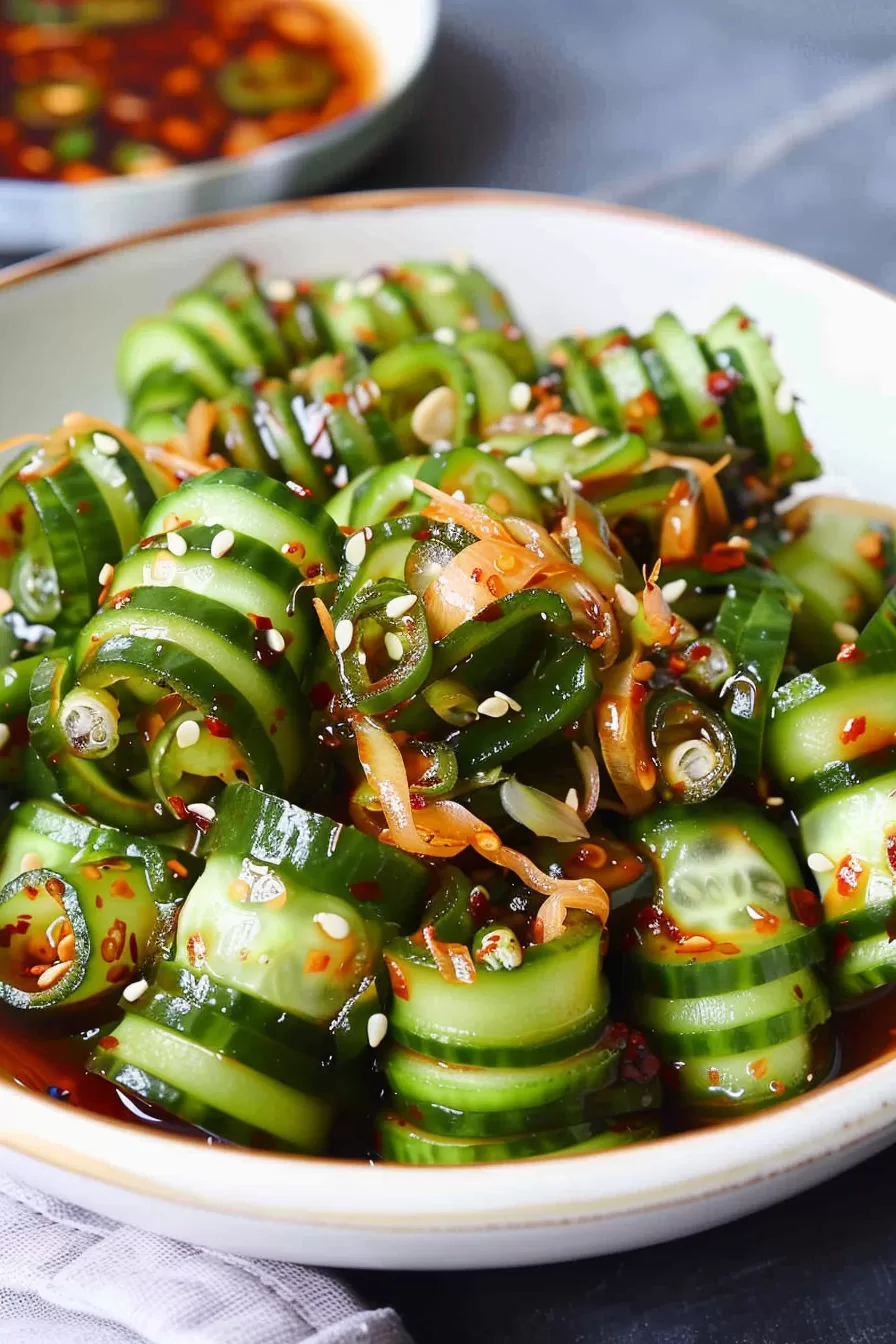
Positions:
(691, 108)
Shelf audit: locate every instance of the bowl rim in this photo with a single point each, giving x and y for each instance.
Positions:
(314, 141)
(843, 1115)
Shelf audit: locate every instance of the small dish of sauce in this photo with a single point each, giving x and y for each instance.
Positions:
(91, 89)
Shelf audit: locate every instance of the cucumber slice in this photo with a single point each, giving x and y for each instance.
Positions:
(679, 424)
(233, 281)
(690, 370)
(719, 1087)
(284, 442)
(399, 1141)
(164, 343)
(587, 388)
(624, 369)
(222, 327)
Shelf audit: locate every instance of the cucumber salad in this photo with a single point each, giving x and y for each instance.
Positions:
(425, 745)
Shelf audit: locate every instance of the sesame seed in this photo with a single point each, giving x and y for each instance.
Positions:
(519, 396)
(846, 633)
(280, 291)
(344, 634)
(343, 291)
(440, 446)
(106, 575)
(334, 926)
(586, 436)
(5, 735)
(221, 543)
(674, 589)
(493, 707)
(784, 397)
(400, 606)
(819, 863)
(514, 704)
(6, 602)
(275, 641)
(445, 335)
(441, 284)
(523, 467)
(394, 646)
(774, 801)
(203, 810)
(355, 549)
(572, 800)
(368, 285)
(105, 444)
(187, 733)
(264, 959)
(626, 600)
(135, 991)
(377, 1026)
(362, 658)
(176, 544)
(459, 494)
(341, 477)
(738, 543)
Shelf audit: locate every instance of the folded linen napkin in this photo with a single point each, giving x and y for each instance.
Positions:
(72, 1277)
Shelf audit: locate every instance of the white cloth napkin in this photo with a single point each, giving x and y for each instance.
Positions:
(71, 1277)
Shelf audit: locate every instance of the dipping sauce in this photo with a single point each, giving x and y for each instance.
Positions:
(93, 88)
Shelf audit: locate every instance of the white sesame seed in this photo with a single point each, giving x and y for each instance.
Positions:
(523, 467)
(343, 291)
(774, 801)
(344, 634)
(135, 990)
(222, 543)
(514, 704)
(394, 646)
(5, 735)
(400, 606)
(106, 574)
(275, 641)
(203, 810)
(519, 396)
(6, 602)
(493, 707)
(176, 544)
(374, 389)
(286, 548)
(362, 658)
(441, 284)
(368, 285)
(355, 549)
(279, 291)
(264, 959)
(738, 543)
(341, 477)
(674, 589)
(105, 444)
(784, 397)
(586, 436)
(572, 800)
(459, 495)
(377, 1026)
(334, 926)
(846, 633)
(440, 446)
(187, 733)
(626, 600)
(445, 335)
(819, 863)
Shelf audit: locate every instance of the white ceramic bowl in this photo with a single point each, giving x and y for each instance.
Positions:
(37, 215)
(565, 264)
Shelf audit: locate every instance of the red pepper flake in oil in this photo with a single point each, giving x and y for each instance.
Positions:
(698, 651)
(719, 559)
(366, 891)
(806, 906)
(798, 991)
(763, 920)
(758, 1068)
(301, 490)
(196, 950)
(179, 807)
(116, 974)
(316, 961)
(108, 1042)
(478, 904)
(728, 949)
(314, 571)
(121, 887)
(55, 888)
(840, 945)
(397, 980)
(490, 613)
(714, 1077)
(853, 729)
(493, 584)
(711, 420)
(218, 727)
(133, 948)
(848, 873)
(176, 867)
(721, 383)
(850, 653)
(743, 323)
(320, 695)
(777, 1087)
(83, 506)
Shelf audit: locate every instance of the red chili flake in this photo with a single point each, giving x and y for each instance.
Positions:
(777, 1087)
(314, 571)
(490, 613)
(639, 693)
(709, 421)
(720, 558)
(476, 575)
(196, 950)
(493, 584)
(260, 622)
(108, 1042)
(179, 807)
(316, 961)
(99, 902)
(397, 980)
(80, 808)
(121, 887)
(279, 713)
(853, 729)
(218, 727)
(295, 548)
(840, 945)
(677, 665)
(16, 519)
(798, 991)
(721, 383)
(113, 944)
(133, 948)
(511, 331)
(848, 873)
(418, 800)
(55, 888)
(83, 506)
(301, 490)
(714, 1077)
(850, 653)
(121, 599)
(176, 867)
(366, 891)
(728, 949)
(640, 409)
(743, 323)
(618, 342)
(698, 651)
(320, 695)
(763, 920)
(336, 398)
(31, 892)
(478, 904)
(422, 534)
(9, 930)
(806, 906)
(758, 1068)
